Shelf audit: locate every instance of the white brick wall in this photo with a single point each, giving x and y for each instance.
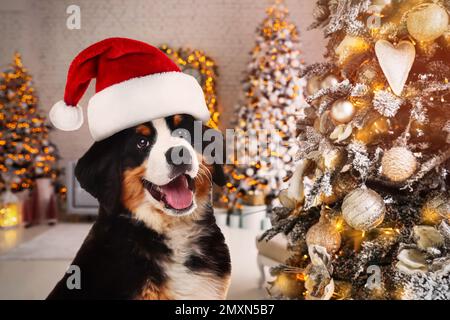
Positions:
(225, 29)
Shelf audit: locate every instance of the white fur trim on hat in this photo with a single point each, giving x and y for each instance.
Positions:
(66, 118)
(139, 100)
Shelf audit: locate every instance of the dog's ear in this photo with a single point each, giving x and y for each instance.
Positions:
(218, 175)
(98, 172)
(214, 152)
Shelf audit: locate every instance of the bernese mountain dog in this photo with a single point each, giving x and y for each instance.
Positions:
(155, 236)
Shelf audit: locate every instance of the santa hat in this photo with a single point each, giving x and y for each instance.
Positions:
(135, 83)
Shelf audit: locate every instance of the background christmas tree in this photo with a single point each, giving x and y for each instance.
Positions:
(367, 210)
(25, 150)
(273, 95)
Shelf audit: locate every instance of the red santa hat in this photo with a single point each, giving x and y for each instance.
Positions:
(135, 83)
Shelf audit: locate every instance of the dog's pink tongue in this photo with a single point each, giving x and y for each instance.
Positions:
(177, 193)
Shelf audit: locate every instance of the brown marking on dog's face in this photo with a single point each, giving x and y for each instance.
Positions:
(144, 130)
(177, 119)
(133, 190)
(203, 184)
(151, 292)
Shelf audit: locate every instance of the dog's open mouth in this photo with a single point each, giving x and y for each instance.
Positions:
(178, 194)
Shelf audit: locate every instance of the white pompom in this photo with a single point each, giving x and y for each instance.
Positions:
(66, 118)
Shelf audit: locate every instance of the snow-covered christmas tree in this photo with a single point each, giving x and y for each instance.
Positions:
(265, 122)
(26, 152)
(368, 207)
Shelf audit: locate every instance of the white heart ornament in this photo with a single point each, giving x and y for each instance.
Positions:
(396, 62)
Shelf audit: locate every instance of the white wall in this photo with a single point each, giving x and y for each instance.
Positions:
(225, 29)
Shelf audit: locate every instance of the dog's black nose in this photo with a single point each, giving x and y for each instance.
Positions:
(179, 158)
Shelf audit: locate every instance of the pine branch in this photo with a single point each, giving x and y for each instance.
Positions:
(427, 167)
(316, 69)
(283, 226)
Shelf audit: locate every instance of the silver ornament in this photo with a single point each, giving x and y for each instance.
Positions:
(363, 209)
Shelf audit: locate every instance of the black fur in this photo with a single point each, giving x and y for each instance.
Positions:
(122, 255)
(117, 258)
(210, 241)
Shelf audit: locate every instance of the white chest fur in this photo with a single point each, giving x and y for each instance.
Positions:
(182, 282)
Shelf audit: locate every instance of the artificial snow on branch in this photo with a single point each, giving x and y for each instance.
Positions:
(316, 69)
(386, 103)
(427, 167)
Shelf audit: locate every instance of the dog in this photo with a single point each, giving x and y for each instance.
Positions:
(155, 236)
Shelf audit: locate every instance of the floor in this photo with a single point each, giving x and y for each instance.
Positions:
(34, 279)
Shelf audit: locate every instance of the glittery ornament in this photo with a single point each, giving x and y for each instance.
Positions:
(363, 209)
(427, 22)
(398, 164)
(324, 234)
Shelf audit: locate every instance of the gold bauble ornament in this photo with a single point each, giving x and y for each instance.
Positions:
(436, 208)
(324, 234)
(313, 85)
(398, 164)
(349, 47)
(427, 22)
(329, 81)
(363, 209)
(342, 111)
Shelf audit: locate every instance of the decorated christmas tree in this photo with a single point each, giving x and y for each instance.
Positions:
(25, 150)
(265, 124)
(367, 210)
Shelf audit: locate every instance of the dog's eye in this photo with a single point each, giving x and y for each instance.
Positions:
(143, 143)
